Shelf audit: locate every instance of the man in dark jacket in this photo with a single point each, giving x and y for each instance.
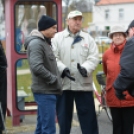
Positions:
(125, 80)
(3, 85)
(46, 81)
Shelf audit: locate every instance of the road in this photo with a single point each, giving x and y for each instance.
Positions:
(29, 123)
(105, 126)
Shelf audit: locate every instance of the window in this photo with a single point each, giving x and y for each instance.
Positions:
(121, 14)
(107, 14)
(27, 14)
(26, 19)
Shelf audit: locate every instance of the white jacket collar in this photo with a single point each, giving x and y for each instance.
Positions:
(66, 33)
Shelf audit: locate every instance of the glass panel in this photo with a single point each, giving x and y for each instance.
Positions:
(24, 93)
(26, 18)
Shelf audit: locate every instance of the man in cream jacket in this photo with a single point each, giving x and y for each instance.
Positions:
(77, 58)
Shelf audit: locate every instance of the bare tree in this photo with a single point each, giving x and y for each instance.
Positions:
(82, 5)
(2, 17)
(65, 10)
(3, 4)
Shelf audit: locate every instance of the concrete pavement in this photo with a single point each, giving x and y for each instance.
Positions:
(28, 126)
(24, 71)
(29, 123)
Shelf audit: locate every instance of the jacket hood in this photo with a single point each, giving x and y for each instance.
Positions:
(33, 35)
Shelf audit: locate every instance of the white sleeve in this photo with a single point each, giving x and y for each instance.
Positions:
(55, 48)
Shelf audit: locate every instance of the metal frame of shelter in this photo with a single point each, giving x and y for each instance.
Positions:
(13, 56)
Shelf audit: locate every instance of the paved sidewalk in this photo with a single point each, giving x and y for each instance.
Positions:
(29, 123)
(22, 72)
(28, 126)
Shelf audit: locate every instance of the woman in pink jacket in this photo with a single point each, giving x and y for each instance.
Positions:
(122, 109)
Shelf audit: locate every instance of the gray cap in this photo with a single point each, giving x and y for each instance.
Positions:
(73, 14)
(117, 29)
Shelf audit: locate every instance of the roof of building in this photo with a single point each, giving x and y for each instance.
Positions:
(109, 2)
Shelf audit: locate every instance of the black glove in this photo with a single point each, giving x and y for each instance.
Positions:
(66, 73)
(120, 95)
(82, 70)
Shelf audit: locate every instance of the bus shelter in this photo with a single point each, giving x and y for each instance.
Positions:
(21, 17)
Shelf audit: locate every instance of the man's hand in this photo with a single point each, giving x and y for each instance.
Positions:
(66, 73)
(82, 70)
(120, 95)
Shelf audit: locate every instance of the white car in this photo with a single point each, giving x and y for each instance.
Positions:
(102, 40)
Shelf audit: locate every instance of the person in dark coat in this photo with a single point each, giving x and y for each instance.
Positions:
(46, 81)
(121, 110)
(125, 79)
(3, 85)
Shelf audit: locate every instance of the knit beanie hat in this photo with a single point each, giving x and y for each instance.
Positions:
(45, 22)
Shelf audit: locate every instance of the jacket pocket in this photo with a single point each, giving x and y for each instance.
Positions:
(35, 80)
(84, 51)
(84, 54)
(83, 80)
(59, 84)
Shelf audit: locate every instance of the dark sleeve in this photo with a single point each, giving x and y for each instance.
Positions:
(125, 78)
(3, 60)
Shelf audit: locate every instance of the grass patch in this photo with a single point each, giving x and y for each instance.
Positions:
(99, 68)
(22, 64)
(102, 48)
(24, 83)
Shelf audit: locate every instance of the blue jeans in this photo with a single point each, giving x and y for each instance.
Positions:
(45, 113)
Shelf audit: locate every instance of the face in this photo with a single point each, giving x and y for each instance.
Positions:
(75, 24)
(131, 32)
(50, 32)
(118, 38)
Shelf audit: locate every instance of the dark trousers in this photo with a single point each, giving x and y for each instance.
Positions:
(123, 120)
(85, 111)
(3, 95)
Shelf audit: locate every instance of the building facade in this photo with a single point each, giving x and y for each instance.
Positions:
(2, 22)
(107, 13)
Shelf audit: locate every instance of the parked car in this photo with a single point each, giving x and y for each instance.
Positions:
(102, 40)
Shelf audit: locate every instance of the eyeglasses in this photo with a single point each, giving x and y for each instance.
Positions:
(117, 35)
